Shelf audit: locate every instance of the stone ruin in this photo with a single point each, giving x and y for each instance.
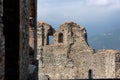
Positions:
(70, 56)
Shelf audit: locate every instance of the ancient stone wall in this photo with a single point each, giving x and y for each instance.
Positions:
(70, 56)
(27, 39)
(25, 16)
(31, 37)
(117, 65)
(110, 64)
(33, 73)
(2, 42)
(32, 23)
(103, 64)
(24, 39)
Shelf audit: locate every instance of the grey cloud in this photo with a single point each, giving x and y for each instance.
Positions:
(92, 15)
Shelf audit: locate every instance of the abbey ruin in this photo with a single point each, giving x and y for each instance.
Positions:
(70, 56)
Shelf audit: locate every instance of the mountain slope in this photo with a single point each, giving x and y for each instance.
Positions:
(108, 40)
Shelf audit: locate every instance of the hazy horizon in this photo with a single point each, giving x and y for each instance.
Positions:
(96, 16)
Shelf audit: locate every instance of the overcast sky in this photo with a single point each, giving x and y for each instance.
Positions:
(95, 15)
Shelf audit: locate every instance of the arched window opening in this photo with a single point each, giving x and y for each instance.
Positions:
(50, 36)
(60, 38)
(50, 40)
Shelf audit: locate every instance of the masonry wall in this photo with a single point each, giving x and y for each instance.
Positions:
(24, 39)
(32, 23)
(57, 65)
(70, 56)
(33, 73)
(103, 64)
(110, 65)
(117, 65)
(27, 39)
(2, 43)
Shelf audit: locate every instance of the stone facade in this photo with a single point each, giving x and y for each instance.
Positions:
(24, 39)
(22, 20)
(70, 56)
(117, 65)
(2, 43)
(32, 41)
(27, 28)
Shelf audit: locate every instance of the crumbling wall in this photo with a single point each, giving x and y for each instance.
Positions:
(23, 9)
(110, 64)
(32, 22)
(43, 32)
(31, 37)
(70, 56)
(24, 39)
(117, 65)
(2, 43)
(103, 64)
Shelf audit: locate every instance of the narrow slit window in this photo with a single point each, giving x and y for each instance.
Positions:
(90, 74)
(60, 38)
